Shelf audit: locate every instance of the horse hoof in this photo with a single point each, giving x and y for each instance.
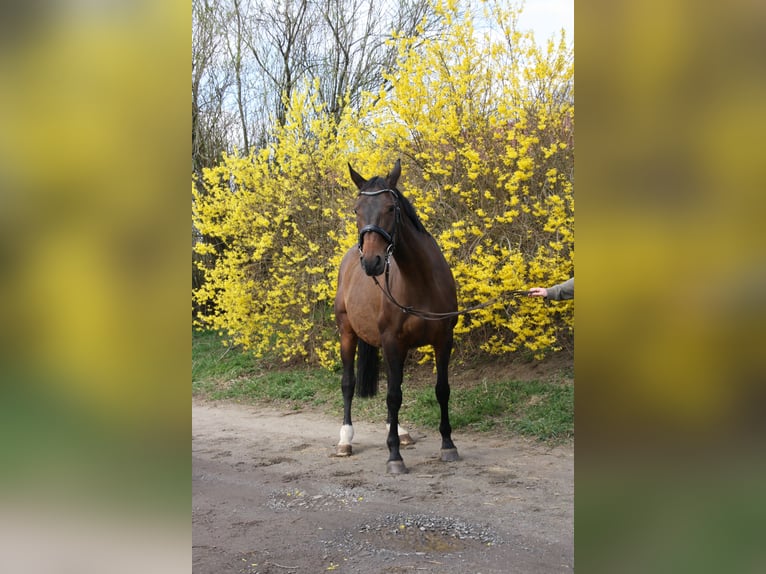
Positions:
(396, 467)
(449, 455)
(406, 440)
(343, 450)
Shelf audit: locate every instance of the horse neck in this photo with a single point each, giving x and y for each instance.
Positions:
(412, 254)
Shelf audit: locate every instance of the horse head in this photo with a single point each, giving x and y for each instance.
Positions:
(378, 217)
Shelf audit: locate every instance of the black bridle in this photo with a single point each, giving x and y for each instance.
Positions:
(391, 240)
(389, 237)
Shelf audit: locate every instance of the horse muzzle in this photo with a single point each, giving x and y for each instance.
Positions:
(373, 265)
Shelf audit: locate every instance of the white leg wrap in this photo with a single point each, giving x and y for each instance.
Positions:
(400, 429)
(346, 434)
(404, 435)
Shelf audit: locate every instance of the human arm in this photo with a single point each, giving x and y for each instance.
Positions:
(558, 292)
(561, 291)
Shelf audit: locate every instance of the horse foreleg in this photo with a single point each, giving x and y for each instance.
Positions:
(348, 382)
(448, 450)
(395, 367)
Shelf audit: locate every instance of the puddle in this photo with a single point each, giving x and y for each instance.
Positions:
(418, 534)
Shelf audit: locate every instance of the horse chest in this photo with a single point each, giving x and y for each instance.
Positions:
(371, 320)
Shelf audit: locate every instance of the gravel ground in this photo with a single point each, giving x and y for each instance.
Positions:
(270, 497)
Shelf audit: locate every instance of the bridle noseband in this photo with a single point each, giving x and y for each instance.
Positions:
(389, 237)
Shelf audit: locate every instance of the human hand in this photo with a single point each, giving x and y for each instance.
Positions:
(538, 292)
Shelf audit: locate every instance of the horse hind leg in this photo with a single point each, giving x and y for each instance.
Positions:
(405, 439)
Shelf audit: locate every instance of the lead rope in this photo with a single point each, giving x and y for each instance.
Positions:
(430, 316)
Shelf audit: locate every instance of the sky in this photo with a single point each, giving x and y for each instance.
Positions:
(547, 17)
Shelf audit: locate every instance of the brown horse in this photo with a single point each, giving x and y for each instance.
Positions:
(413, 306)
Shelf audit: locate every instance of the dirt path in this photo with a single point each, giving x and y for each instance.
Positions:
(268, 497)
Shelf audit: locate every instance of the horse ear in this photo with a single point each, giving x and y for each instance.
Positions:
(358, 179)
(393, 177)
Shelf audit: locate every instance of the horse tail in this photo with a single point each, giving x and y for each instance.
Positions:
(367, 366)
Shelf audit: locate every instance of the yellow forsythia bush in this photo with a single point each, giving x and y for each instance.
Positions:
(483, 122)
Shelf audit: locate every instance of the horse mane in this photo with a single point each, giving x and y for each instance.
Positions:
(406, 205)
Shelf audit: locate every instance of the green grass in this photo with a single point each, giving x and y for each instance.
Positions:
(213, 364)
(543, 409)
(297, 387)
(220, 372)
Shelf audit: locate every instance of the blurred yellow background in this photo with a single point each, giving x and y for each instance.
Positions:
(671, 276)
(94, 152)
(91, 143)
(671, 200)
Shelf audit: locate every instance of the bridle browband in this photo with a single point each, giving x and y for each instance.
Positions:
(391, 240)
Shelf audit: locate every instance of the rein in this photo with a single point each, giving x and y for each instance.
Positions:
(391, 240)
(431, 316)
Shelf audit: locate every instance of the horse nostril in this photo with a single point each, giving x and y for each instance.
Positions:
(372, 265)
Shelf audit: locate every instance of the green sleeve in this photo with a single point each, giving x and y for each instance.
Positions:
(562, 291)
